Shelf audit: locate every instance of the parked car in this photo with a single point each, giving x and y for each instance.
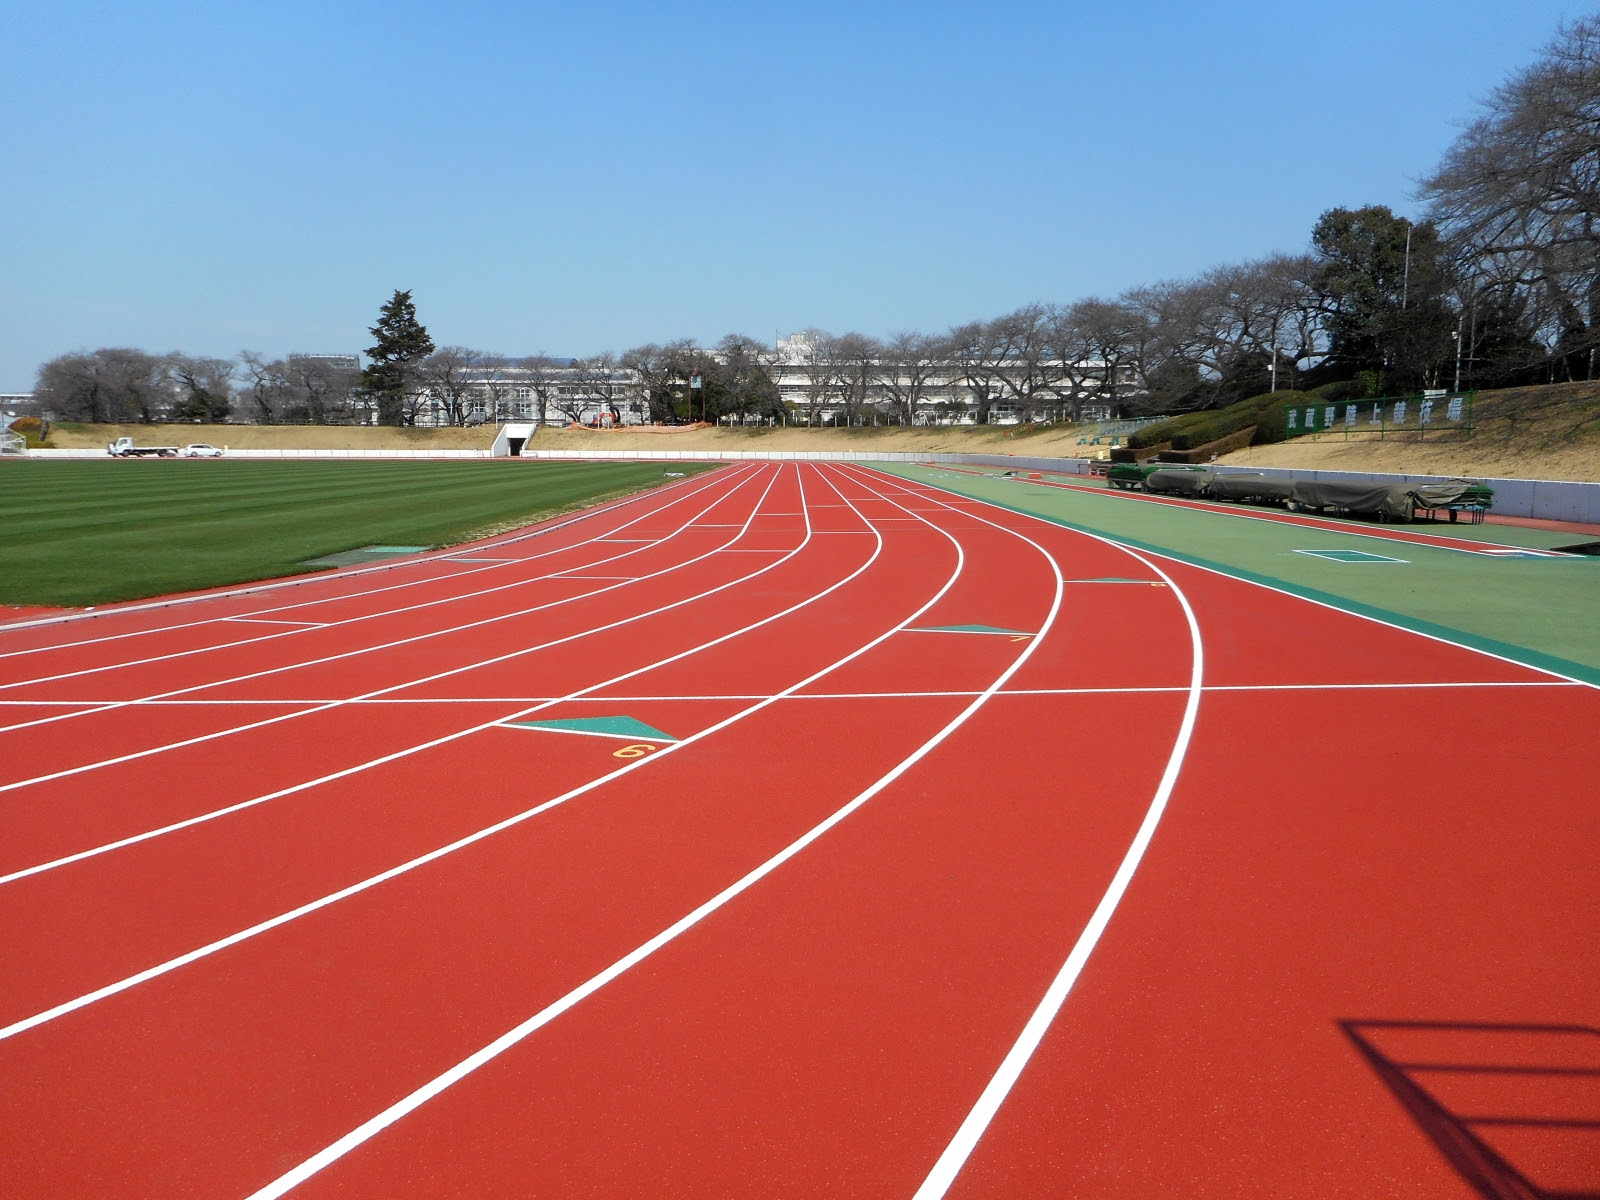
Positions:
(201, 450)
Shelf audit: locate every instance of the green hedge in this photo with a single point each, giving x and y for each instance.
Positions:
(1196, 429)
(1272, 422)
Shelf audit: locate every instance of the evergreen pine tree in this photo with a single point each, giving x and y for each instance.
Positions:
(402, 342)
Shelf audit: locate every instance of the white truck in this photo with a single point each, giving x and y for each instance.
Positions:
(123, 447)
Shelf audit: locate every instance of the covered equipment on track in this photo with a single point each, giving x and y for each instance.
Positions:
(1182, 481)
(1251, 487)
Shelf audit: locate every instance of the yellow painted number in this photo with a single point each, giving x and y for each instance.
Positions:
(636, 751)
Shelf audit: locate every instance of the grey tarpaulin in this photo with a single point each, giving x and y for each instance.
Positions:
(1387, 501)
(1187, 483)
(1251, 487)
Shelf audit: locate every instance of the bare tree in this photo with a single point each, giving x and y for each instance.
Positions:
(319, 390)
(1030, 373)
(1114, 334)
(447, 377)
(812, 352)
(854, 360)
(910, 365)
(976, 359)
(600, 381)
(267, 388)
(496, 385)
(538, 373)
(103, 385)
(1518, 194)
(202, 387)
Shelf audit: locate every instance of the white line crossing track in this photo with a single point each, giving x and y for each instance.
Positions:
(826, 895)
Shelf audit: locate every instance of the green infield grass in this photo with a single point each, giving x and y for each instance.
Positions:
(1536, 610)
(87, 532)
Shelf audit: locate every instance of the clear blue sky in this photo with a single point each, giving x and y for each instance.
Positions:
(574, 178)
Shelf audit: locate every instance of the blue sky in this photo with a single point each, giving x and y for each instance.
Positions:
(575, 178)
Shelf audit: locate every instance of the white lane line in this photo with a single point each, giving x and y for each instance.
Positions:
(301, 664)
(1348, 612)
(354, 889)
(214, 814)
(972, 1128)
(274, 621)
(454, 598)
(371, 1128)
(305, 701)
(713, 480)
(678, 492)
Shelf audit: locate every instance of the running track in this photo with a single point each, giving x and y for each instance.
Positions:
(1176, 885)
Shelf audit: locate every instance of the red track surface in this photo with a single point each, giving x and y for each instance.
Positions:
(289, 908)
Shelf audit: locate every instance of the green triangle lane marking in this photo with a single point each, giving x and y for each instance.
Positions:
(970, 629)
(616, 727)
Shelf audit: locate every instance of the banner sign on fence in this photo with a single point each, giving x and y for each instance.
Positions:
(1413, 413)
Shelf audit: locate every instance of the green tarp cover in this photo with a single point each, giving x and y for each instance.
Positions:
(1250, 486)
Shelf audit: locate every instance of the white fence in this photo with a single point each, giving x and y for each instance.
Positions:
(1551, 500)
(89, 453)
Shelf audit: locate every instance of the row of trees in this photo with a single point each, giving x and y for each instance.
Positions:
(1498, 284)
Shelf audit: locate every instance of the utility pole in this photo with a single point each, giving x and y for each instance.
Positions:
(1405, 284)
(1458, 352)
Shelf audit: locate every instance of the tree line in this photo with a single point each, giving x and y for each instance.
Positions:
(1497, 284)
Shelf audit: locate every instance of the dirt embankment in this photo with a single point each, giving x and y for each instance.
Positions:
(70, 436)
(1550, 432)
(1529, 433)
(1053, 441)
(1060, 441)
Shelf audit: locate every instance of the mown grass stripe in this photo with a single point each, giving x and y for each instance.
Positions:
(89, 532)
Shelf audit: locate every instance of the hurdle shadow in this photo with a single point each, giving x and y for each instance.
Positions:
(1515, 1109)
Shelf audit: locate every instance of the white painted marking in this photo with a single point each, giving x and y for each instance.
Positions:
(303, 701)
(966, 1138)
(275, 621)
(173, 964)
(200, 687)
(369, 1129)
(1432, 637)
(443, 601)
(227, 810)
